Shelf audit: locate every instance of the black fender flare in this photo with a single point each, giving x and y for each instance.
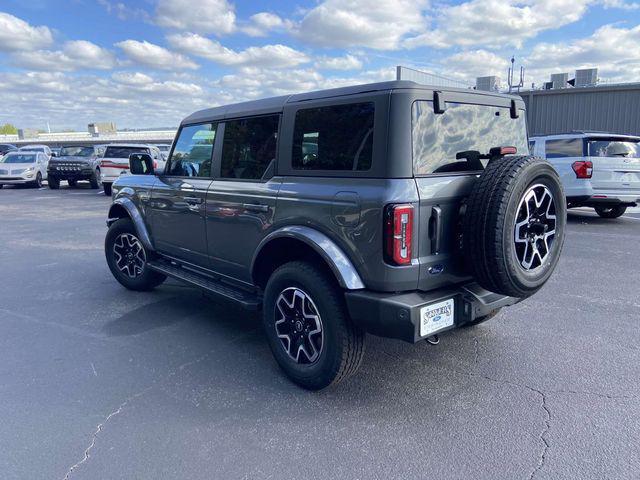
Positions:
(136, 217)
(343, 269)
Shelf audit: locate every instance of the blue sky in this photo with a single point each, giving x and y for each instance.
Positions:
(151, 62)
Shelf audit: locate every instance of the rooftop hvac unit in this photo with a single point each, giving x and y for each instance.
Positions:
(488, 84)
(559, 80)
(586, 77)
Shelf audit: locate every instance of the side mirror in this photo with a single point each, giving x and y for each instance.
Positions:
(141, 164)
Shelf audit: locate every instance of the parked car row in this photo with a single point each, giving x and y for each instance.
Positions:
(97, 164)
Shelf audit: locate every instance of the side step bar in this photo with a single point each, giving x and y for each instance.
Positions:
(247, 300)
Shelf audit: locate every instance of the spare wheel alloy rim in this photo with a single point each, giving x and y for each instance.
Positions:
(535, 227)
(299, 326)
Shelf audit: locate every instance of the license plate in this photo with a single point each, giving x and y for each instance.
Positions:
(436, 317)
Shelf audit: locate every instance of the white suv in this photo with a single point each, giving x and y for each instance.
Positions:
(116, 161)
(599, 170)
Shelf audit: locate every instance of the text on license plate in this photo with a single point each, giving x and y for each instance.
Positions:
(435, 317)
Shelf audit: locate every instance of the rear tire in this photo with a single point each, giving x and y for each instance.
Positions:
(107, 189)
(308, 327)
(611, 212)
(514, 224)
(54, 183)
(128, 258)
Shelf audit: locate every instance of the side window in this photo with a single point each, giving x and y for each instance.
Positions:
(249, 147)
(569, 147)
(532, 146)
(339, 137)
(191, 156)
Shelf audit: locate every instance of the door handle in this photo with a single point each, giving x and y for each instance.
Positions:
(435, 229)
(255, 207)
(194, 200)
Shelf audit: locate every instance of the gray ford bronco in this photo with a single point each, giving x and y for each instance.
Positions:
(391, 208)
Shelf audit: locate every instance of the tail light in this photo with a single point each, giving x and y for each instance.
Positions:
(583, 169)
(398, 230)
(155, 165)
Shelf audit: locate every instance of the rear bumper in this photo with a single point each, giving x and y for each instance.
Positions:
(397, 315)
(607, 198)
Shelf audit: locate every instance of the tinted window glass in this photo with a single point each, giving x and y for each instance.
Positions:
(339, 137)
(568, 147)
(437, 138)
(249, 147)
(123, 152)
(191, 156)
(76, 151)
(614, 148)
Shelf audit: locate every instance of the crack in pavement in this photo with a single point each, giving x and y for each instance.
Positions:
(99, 429)
(170, 374)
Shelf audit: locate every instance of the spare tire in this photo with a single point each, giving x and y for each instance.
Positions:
(514, 225)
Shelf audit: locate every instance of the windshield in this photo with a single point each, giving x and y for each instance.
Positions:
(76, 151)
(123, 152)
(614, 148)
(19, 158)
(438, 138)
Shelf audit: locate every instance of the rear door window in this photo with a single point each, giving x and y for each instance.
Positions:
(564, 147)
(249, 147)
(338, 137)
(438, 138)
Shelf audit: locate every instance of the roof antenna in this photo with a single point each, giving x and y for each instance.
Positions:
(520, 83)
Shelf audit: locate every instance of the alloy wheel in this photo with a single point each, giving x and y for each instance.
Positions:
(299, 326)
(129, 255)
(535, 227)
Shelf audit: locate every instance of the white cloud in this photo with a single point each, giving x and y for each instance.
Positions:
(203, 16)
(262, 23)
(614, 50)
(498, 22)
(75, 55)
(621, 4)
(269, 56)
(155, 56)
(128, 78)
(361, 23)
(123, 11)
(470, 64)
(18, 35)
(348, 62)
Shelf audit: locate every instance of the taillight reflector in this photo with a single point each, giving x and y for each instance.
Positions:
(398, 229)
(583, 169)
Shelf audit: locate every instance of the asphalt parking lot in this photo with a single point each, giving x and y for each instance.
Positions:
(97, 382)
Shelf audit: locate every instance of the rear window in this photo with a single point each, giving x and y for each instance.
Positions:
(561, 148)
(437, 138)
(123, 152)
(339, 137)
(613, 148)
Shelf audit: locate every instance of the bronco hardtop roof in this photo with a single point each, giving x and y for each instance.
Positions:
(276, 104)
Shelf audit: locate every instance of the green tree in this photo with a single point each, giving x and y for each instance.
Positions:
(8, 129)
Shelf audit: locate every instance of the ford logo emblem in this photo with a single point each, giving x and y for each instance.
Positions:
(436, 269)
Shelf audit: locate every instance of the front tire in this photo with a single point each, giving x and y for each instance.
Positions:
(128, 259)
(37, 183)
(95, 180)
(72, 183)
(54, 183)
(107, 189)
(308, 327)
(611, 212)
